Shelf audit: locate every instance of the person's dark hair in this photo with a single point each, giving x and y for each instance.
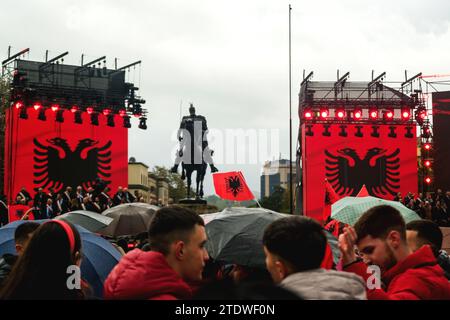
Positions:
(300, 241)
(379, 221)
(41, 271)
(170, 224)
(428, 232)
(23, 231)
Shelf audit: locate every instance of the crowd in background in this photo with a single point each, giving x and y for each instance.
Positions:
(432, 206)
(49, 204)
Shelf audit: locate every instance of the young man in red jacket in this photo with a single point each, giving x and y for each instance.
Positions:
(380, 235)
(177, 239)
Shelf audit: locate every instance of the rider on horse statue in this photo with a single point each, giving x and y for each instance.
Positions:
(192, 134)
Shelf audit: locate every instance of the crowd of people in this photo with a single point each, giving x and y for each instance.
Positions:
(173, 263)
(432, 206)
(47, 205)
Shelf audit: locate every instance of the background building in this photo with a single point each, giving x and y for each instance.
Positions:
(154, 189)
(276, 173)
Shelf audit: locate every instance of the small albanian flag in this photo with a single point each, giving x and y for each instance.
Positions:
(330, 197)
(232, 186)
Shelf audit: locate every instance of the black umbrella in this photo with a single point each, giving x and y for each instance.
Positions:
(235, 235)
(128, 219)
(89, 220)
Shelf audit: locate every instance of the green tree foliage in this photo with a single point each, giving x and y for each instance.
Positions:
(277, 201)
(177, 187)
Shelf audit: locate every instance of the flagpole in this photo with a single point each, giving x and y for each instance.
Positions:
(291, 196)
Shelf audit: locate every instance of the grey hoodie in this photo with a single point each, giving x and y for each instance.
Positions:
(321, 284)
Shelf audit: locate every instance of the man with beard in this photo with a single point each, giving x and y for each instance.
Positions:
(380, 236)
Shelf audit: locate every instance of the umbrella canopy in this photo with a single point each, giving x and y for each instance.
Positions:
(235, 235)
(129, 219)
(89, 220)
(99, 256)
(349, 209)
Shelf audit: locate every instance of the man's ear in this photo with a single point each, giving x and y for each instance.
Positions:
(19, 248)
(179, 247)
(281, 269)
(394, 239)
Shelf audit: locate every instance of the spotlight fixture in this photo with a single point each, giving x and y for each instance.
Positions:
(37, 106)
(392, 133)
(110, 120)
(106, 111)
(41, 115)
(428, 180)
(55, 107)
(308, 114)
(59, 116)
(375, 133)
(427, 163)
(89, 110)
(340, 113)
(74, 109)
(388, 114)
(406, 114)
(373, 113)
(357, 114)
(426, 132)
(94, 119)
(77, 117)
(326, 132)
(409, 134)
(23, 113)
(142, 123)
(18, 105)
(122, 113)
(324, 113)
(309, 131)
(343, 132)
(427, 146)
(126, 122)
(358, 132)
(137, 110)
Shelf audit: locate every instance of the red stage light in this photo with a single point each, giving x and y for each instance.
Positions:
(324, 113)
(340, 114)
(18, 104)
(406, 114)
(55, 107)
(74, 109)
(308, 114)
(357, 114)
(122, 113)
(428, 180)
(422, 115)
(373, 114)
(389, 114)
(427, 163)
(90, 110)
(37, 106)
(427, 146)
(106, 111)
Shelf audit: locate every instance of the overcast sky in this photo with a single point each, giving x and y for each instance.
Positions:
(230, 58)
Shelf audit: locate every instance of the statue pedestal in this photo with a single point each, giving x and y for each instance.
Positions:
(193, 201)
(200, 206)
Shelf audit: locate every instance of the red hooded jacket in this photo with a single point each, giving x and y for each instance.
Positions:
(145, 275)
(418, 277)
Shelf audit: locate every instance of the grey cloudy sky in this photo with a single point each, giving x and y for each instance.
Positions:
(231, 57)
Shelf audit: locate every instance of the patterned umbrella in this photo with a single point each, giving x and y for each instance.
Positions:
(349, 209)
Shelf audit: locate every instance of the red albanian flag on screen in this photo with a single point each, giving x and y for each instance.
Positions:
(232, 186)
